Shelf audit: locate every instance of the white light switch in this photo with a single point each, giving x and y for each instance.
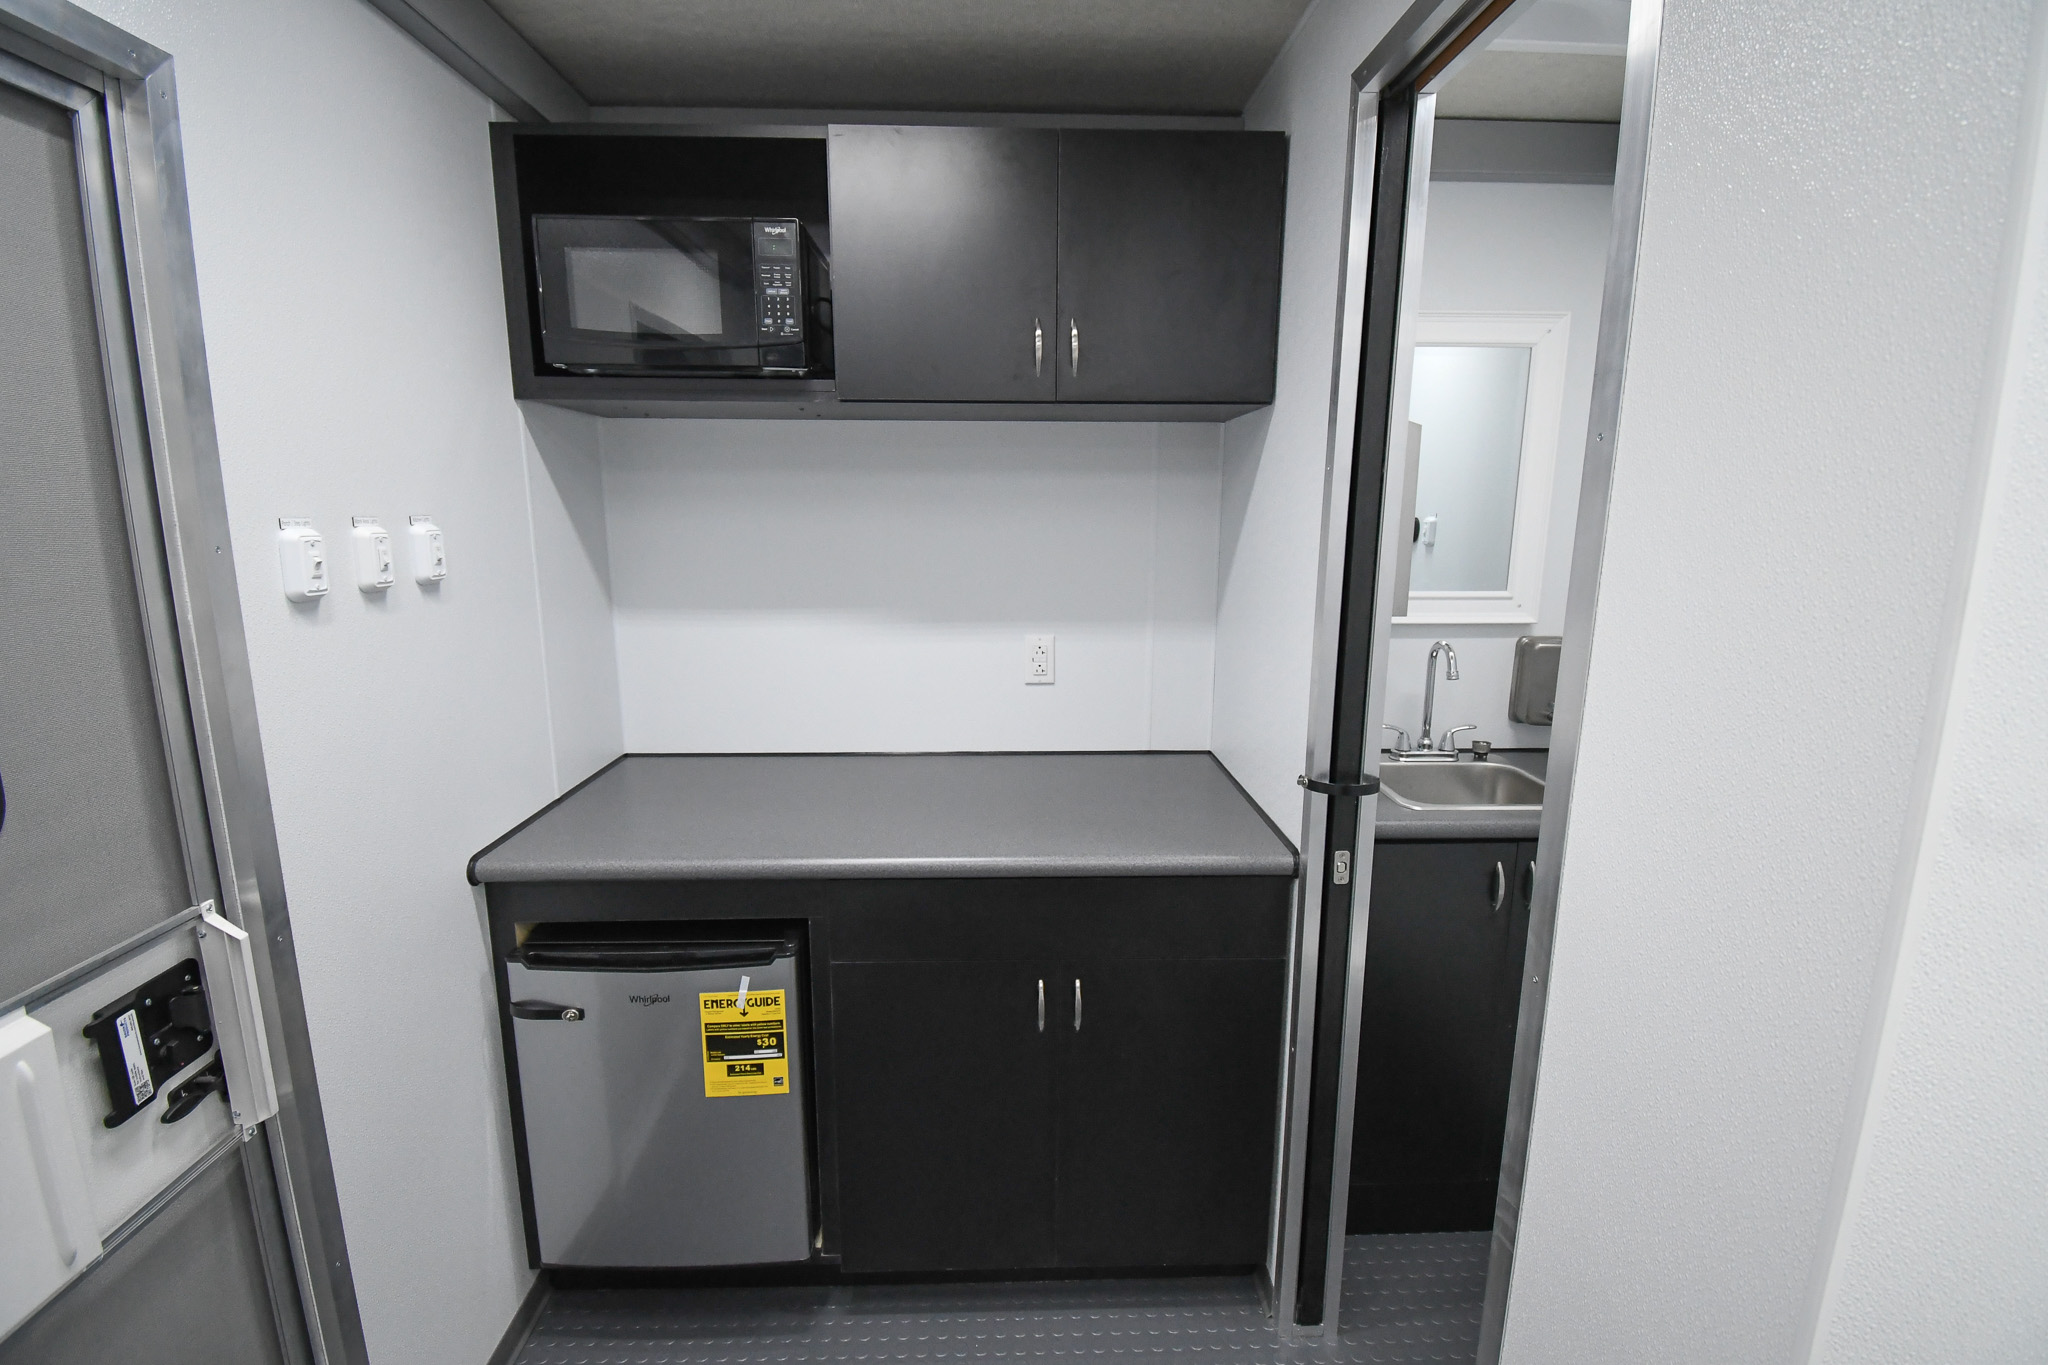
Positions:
(375, 559)
(1038, 660)
(302, 556)
(429, 551)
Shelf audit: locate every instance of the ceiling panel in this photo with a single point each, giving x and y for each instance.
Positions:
(1569, 87)
(1052, 56)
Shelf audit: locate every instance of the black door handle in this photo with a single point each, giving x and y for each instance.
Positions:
(187, 1097)
(542, 1009)
(1365, 786)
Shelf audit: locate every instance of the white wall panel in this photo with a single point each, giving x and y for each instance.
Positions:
(345, 235)
(868, 585)
(1273, 460)
(1942, 1252)
(1816, 290)
(565, 483)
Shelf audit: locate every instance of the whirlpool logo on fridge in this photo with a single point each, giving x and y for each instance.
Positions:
(647, 999)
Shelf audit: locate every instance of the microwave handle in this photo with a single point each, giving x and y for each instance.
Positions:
(1074, 340)
(1037, 347)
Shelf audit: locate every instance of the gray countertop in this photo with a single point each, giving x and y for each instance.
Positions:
(732, 816)
(1395, 821)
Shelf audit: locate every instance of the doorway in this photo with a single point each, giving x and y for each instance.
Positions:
(1495, 199)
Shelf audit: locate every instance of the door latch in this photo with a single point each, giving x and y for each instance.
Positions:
(1340, 869)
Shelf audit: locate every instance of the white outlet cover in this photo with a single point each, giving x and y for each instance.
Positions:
(1040, 658)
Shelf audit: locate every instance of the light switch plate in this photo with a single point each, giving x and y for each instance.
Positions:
(302, 559)
(375, 558)
(429, 550)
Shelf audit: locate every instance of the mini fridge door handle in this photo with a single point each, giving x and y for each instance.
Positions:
(543, 1009)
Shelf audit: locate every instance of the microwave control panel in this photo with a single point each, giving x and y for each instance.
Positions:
(778, 278)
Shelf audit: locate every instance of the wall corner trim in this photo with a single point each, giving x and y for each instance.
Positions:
(491, 55)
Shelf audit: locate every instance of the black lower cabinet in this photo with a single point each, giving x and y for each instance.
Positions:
(944, 1082)
(1166, 1112)
(1127, 1121)
(1443, 964)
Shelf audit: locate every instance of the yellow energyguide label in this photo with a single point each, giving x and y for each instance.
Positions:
(745, 1053)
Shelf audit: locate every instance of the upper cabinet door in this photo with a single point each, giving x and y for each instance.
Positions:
(944, 263)
(1169, 265)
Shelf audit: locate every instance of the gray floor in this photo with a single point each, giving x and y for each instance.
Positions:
(1413, 1298)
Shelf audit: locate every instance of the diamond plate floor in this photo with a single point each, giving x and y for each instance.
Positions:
(1407, 1298)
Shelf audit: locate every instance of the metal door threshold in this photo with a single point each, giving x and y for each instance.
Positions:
(1406, 1298)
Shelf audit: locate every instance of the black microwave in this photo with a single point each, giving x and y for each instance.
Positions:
(675, 296)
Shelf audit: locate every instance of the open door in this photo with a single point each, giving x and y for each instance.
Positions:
(1387, 445)
(155, 1082)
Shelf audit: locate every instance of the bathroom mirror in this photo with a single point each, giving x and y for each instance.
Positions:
(1486, 391)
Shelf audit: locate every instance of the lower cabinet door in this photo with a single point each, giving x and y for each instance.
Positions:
(944, 1088)
(1166, 1111)
(1443, 959)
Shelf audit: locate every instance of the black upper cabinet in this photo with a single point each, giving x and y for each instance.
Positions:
(1169, 269)
(944, 252)
(974, 272)
(1027, 265)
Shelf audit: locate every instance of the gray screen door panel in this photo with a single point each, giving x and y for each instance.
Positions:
(186, 1289)
(90, 851)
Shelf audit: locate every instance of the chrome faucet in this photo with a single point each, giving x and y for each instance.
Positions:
(1442, 647)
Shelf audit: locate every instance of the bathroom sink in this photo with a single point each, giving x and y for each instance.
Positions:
(1460, 786)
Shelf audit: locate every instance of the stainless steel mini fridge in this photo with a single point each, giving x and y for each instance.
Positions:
(661, 1087)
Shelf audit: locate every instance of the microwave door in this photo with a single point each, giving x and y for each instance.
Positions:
(637, 295)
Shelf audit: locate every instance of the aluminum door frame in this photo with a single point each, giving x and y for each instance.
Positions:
(124, 106)
(1421, 50)
(1589, 544)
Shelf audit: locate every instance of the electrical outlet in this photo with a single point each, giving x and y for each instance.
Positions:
(1038, 659)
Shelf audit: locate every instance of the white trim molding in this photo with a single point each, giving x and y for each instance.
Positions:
(1547, 336)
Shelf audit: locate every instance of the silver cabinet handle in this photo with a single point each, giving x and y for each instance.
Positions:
(1074, 342)
(1077, 1004)
(1037, 348)
(1500, 886)
(1041, 1006)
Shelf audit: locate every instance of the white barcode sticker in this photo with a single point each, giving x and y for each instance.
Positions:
(139, 1083)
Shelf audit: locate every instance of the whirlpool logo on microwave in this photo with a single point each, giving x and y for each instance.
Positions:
(647, 999)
